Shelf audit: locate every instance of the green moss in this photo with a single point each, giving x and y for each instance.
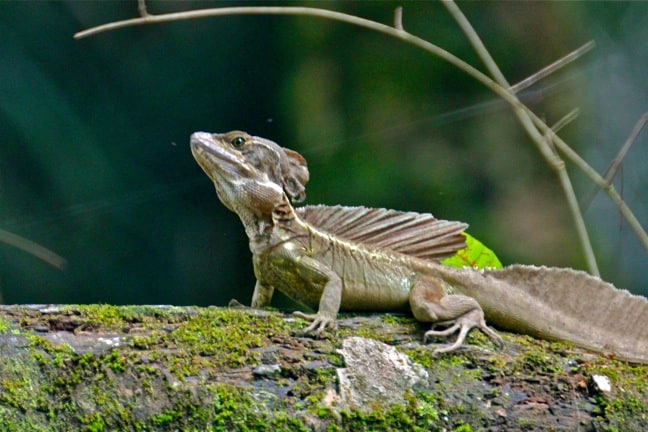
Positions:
(463, 428)
(22, 392)
(426, 358)
(225, 336)
(168, 374)
(539, 362)
(145, 342)
(285, 422)
(166, 418)
(421, 355)
(114, 361)
(376, 328)
(94, 423)
(103, 315)
(624, 407)
(230, 409)
(116, 317)
(418, 415)
(397, 320)
(4, 325)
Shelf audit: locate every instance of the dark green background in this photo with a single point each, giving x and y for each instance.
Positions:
(95, 163)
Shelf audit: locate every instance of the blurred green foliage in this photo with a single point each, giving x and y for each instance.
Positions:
(95, 164)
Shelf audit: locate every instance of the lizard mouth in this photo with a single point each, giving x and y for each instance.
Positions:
(204, 145)
(213, 158)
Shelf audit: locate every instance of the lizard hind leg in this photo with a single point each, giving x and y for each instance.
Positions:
(429, 303)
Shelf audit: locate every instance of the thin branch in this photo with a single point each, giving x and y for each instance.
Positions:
(141, 7)
(562, 172)
(476, 42)
(598, 181)
(564, 121)
(614, 166)
(567, 118)
(398, 18)
(551, 156)
(241, 10)
(33, 248)
(553, 67)
(503, 92)
(612, 169)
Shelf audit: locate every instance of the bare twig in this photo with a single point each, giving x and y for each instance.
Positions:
(33, 248)
(616, 163)
(564, 121)
(398, 18)
(552, 158)
(141, 7)
(476, 42)
(596, 179)
(242, 10)
(614, 166)
(553, 67)
(528, 123)
(567, 118)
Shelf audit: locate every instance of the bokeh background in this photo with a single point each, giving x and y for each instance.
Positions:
(95, 162)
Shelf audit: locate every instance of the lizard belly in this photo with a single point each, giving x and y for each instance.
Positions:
(370, 281)
(281, 271)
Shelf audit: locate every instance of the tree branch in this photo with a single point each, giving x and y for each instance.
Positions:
(33, 248)
(552, 158)
(533, 125)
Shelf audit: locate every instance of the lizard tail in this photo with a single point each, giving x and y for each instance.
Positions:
(565, 304)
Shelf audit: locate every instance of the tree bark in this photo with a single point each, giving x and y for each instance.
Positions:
(100, 367)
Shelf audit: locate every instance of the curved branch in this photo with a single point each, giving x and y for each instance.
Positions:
(544, 146)
(33, 248)
(532, 124)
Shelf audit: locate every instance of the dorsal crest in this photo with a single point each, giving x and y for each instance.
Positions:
(415, 234)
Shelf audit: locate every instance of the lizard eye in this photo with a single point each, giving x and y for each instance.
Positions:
(237, 142)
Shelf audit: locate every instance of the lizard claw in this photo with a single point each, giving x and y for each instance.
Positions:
(319, 322)
(473, 319)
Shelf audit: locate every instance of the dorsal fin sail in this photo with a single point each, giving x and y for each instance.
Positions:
(415, 234)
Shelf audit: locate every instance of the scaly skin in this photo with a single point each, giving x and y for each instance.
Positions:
(371, 259)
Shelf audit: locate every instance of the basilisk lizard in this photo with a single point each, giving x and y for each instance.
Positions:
(333, 258)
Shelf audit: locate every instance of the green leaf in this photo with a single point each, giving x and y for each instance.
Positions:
(475, 255)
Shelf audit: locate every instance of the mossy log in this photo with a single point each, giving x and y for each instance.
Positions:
(104, 368)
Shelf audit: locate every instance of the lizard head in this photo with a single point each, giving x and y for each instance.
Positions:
(252, 175)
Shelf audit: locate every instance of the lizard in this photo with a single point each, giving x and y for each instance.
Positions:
(337, 258)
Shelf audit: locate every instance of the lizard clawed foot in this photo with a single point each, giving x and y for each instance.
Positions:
(319, 322)
(468, 321)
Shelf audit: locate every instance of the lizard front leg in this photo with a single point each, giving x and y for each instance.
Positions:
(329, 303)
(262, 295)
(430, 303)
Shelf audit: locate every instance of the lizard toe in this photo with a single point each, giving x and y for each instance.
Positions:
(447, 332)
(497, 339)
(465, 323)
(319, 323)
(463, 331)
(307, 317)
